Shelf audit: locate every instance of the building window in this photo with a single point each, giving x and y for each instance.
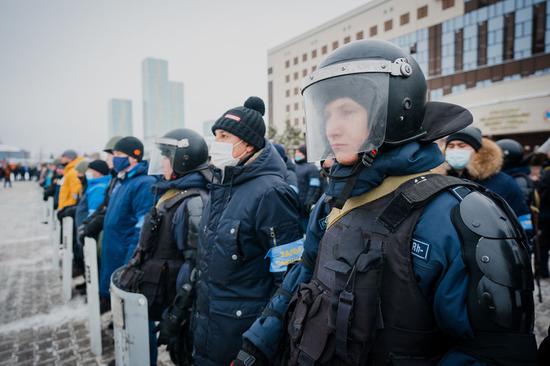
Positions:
(296, 121)
(422, 12)
(288, 107)
(324, 50)
(482, 44)
(295, 60)
(334, 45)
(313, 68)
(287, 78)
(287, 93)
(296, 75)
(295, 106)
(313, 53)
(287, 64)
(434, 50)
(373, 31)
(509, 36)
(404, 19)
(287, 122)
(304, 57)
(270, 71)
(359, 35)
(347, 40)
(459, 48)
(296, 90)
(446, 4)
(388, 25)
(304, 73)
(539, 27)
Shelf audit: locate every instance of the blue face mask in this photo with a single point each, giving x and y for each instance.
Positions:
(299, 159)
(458, 158)
(120, 163)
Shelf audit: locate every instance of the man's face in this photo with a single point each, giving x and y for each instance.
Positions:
(457, 144)
(240, 148)
(109, 160)
(167, 169)
(64, 159)
(346, 129)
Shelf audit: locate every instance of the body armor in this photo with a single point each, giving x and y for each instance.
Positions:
(364, 306)
(154, 269)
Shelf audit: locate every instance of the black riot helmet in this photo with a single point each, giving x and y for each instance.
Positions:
(185, 149)
(512, 151)
(378, 76)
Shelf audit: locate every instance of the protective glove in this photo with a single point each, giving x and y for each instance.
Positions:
(250, 355)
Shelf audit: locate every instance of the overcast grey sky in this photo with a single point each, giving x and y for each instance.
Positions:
(61, 60)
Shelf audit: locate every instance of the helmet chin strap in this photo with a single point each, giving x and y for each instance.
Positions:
(367, 158)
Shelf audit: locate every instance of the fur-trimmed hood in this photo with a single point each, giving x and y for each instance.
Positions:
(485, 162)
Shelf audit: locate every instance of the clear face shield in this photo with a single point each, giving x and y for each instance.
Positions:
(162, 158)
(346, 108)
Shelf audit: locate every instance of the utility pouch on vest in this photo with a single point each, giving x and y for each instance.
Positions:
(130, 279)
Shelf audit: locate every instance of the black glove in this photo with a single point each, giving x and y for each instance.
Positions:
(93, 225)
(250, 355)
(168, 327)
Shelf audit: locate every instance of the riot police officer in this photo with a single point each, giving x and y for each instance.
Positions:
(163, 264)
(408, 267)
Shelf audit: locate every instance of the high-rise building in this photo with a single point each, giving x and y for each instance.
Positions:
(120, 117)
(162, 100)
(492, 57)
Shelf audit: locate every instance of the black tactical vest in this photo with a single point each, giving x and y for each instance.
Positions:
(363, 305)
(154, 269)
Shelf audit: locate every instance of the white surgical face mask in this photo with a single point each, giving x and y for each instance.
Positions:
(458, 158)
(221, 155)
(89, 176)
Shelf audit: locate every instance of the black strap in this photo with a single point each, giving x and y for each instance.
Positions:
(343, 313)
(416, 193)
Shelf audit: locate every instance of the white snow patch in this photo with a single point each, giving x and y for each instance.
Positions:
(74, 310)
(26, 240)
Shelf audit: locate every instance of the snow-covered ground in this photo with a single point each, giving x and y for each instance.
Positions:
(36, 326)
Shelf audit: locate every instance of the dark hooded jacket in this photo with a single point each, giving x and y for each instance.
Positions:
(485, 167)
(251, 211)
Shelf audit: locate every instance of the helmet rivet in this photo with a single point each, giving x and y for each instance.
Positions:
(401, 118)
(407, 103)
(343, 68)
(485, 259)
(383, 66)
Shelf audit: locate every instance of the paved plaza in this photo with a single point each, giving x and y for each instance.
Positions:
(36, 326)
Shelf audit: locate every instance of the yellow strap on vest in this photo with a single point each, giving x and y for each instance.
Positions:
(389, 185)
(166, 196)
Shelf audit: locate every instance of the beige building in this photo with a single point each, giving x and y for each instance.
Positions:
(491, 56)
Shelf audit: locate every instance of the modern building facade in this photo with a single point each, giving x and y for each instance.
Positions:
(490, 56)
(162, 100)
(120, 117)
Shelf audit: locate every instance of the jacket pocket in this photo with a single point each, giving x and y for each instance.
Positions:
(226, 257)
(228, 320)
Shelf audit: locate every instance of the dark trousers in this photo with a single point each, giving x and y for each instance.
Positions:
(544, 243)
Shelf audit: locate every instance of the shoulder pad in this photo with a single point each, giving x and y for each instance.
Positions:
(485, 218)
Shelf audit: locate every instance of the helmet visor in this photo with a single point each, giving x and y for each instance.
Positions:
(162, 157)
(346, 115)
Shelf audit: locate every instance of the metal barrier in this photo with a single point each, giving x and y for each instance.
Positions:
(55, 239)
(130, 324)
(92, 291)
(67, 258)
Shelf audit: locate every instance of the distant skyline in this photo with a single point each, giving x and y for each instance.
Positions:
(120, 118)
(62, 60)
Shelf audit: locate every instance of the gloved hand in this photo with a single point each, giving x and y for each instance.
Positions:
(170, 334)
(250, 355)
(80, 233)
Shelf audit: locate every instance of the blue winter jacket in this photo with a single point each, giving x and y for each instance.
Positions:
(253, 210)
(130, 200)
(92, 198)
(442, 274)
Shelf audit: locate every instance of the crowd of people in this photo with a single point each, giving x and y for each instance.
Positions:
(347, 250)
(17, 171)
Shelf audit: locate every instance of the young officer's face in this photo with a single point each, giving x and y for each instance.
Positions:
(346, 129)
(167, 170)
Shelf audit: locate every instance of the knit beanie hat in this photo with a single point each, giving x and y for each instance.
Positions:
(303, 150)
(99, 166)
(70, 154)
(81, 167)
(245, 122)
(470, 135)
(131, 146)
